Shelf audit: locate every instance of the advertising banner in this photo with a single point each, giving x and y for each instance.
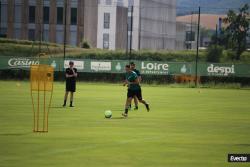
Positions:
(145, 67)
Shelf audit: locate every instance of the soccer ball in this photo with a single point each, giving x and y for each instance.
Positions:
(108, 114)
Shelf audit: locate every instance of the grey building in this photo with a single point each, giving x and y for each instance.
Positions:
(157, 24)
(45, 20)
(110, 24)
(186, 36)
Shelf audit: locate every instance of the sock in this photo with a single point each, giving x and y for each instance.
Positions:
(71, 102)
(64, 103)
(126, 111)
(136, 107)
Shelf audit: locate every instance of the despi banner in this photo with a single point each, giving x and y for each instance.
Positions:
(145, 67)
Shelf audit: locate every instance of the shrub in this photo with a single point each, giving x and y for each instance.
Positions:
(85, 44)
(214, 53)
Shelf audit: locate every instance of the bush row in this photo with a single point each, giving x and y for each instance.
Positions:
(22, 48)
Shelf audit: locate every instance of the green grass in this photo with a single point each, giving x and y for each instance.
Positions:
(186, 128)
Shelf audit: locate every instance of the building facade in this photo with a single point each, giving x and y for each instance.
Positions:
(151, 24)
(157, 24)
(186, 36)
(106, 24)
(45, 20)
(112, 25)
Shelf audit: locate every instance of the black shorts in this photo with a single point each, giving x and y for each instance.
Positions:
(132, 93)
(70, 86)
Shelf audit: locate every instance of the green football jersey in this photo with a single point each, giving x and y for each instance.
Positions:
(131, 77)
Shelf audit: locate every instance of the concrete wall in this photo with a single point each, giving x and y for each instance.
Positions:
(121, 28)
(90, 21)
(157, 24)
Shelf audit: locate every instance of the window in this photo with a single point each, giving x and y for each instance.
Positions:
(31, 35)
(129, 23)
(3, 32)
(46, 15)
(130, 2)
(73, 16)
(17, 33)
(119, 2)
(190, 36)
(105, 41)
(73, 38)
(60, 36)
(108, 2)
(0, 10)
(59, 15)
(46, 35)
(106, 20)
(32, 14)
(130, 9)
(18, 13)
(3, 14)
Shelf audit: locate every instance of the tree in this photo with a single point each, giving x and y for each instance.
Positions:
(214, 53)
(237, 28)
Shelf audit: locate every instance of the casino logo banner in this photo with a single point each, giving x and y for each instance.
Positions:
(22, 62)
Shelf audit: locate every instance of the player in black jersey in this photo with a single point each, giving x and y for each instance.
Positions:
(71, 75)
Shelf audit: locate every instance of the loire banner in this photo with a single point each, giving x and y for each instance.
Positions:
(146, 67)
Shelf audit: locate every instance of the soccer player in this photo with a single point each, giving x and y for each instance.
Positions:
(71, 75)
(134, 89)
(132, 66)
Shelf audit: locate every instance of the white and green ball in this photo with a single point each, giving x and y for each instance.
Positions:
(108, 114)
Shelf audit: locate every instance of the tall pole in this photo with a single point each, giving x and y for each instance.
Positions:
(40, 25)
(65, 29)
(131, 32)
(139, 39)
(127, 41)
(191, 39)
(0, 16)
(197, 49)
(216, 35)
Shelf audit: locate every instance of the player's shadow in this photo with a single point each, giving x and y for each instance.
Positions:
(14, 134)
(119, 118)
(57, 107)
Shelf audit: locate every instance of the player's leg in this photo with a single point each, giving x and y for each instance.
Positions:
(65, 98)
(136, 103)
(71, 99)
(72, 90)
(128, 102)
(141, 100)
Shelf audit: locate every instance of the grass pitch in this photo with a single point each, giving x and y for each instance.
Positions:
(185, 128)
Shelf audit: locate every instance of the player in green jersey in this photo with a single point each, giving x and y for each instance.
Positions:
(132, 66)
(134, 89)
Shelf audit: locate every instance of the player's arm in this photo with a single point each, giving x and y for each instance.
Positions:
(139, 78)
(136, 81)
(68, 75)
(74, 72)
(125, 83)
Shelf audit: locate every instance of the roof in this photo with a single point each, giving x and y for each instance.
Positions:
(207, 21)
